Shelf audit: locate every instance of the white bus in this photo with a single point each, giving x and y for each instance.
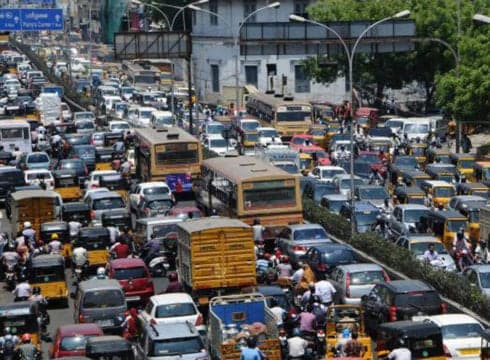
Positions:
(15, 133)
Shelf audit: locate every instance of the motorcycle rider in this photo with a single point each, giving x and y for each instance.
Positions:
(152, 248)
(297, 346)
(10, 259)
(22, 291)
(284, 268)
(79, 257)
(120, 249)
(54, 246)
(174, 284)
(461, 250)
(482, 255)
(74, 227)
(262, 263)
(101, 274)
(353, 347)
(27, 350)
(431, 254)
(43, 303)
(8, 341)
(278, 312)
(29, 234)
(400, 351)
(130, 324)
(375, 177)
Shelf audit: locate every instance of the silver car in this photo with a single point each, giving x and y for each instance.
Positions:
(295, 240)
(103, 202)
(479, 277)
(355, 280)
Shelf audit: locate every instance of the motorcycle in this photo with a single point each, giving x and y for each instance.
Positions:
(80, 272)
(8, 350)
(283, 341)
(159, 266)
(10, 277)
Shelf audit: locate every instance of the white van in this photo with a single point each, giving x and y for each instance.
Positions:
(162, 119)
(416, 128)
(143, 116)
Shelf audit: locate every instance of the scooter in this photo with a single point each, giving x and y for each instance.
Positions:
(159, 266)
(10, 277)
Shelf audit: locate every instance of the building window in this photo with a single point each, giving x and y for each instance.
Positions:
(215, 78)
(213, 7)
(251, 75)
(249, 6)
(301, 82)
(300, 7)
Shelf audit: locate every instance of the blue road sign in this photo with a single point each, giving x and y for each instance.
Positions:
(31, 19)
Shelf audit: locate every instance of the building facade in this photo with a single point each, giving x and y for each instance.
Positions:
(214, 52)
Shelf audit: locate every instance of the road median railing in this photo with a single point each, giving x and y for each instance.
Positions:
(452, 286)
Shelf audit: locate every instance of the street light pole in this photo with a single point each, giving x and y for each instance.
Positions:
(236, 39)
(350, 59)
(150, 5)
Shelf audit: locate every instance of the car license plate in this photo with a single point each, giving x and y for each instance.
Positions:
(133, 298)
(105, 322)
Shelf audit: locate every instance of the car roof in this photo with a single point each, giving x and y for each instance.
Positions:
(145, 185)
(335, 197)
(360, 267)
(104, 195)
(364, 206)
(127, 263)
(171, 331)
(406, 286)
(330, 167)
(329, 246)
(305, 226)
(481, 268)
(80, 329)
(99, 284)
(452, 319)
(156, 220)
(412, 207)
(438, 183)
(154, 197)
(173, 298)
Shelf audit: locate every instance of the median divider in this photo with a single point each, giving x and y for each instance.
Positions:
(455, 289)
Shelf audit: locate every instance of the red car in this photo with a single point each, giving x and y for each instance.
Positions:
(70, 339)
(302, 142)
(134, 277)
(184, 211)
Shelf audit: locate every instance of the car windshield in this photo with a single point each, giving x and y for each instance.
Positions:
(177, 347)
(336, 205)
(457, 331)
(107, 204)
(366, 277)
(455, 225)
(366, 217)
(85, 125)
(103, 299)
(39, 175)
(137, 272)
(175, 310)
(215, 129)
(322, 190)
(466, 164)
(418, 151)
(38, 158)
(164, 120)
(345, 184)
(119, 126)
(444, 192)
(268, 133)
(329, 174)
(413, 216)
(84, 116)
(217, 143)
(416, 128)
(310, 234)
(419, 248)
(164, 230)
(146, 114)
(154, 190)
(158, 204)
(474, 216)
(406, 161)
(369, 158)
(339, 256)
(485, 280)
(373, 194)
(250, 125)
(85, 151)
(417, 299)
(73, 343)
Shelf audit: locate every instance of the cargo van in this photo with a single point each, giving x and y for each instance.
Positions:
(417, 128)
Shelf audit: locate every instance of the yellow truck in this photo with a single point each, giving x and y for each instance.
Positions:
(216, 256)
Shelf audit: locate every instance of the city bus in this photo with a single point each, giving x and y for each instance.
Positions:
(142, 77)
(288, 117)
(168, 154)
(16, 133)
(166, 69)
(247, 188)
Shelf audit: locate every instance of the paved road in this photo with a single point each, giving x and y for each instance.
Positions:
(59, 316)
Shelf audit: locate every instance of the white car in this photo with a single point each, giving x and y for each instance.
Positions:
(343, 183)
(460, 335)
(327, 173)
(119, 127)
(171, 309)
(143, 116)
(66, 113)
(93, 180)
(268, 136)
(218, 145)
(147, 188)
(337, 150)
(88, 192)
(35, 177)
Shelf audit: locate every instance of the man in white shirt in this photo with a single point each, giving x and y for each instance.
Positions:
(22, 291)
(297, 346)
(401, 352)
(325, 291)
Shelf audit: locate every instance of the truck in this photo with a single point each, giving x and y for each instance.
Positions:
(485, 223)
(48, 106)
(229, 314)
(281, 156)
(216, 256)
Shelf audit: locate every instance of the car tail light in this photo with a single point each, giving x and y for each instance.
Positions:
(81, 319)
(299, 248)
(392, 312)
(447, 353)
(322, 267)
(199, 320)
(386, 277)
(94, 186)
(347, 285)
(443, 308)
(92, 214)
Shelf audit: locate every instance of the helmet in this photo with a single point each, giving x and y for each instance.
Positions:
(296, 332)
(26, 338)
(36, 290)
(100, 272)
(7, 330)
(172, 276)
(27, 225)
(54, 236)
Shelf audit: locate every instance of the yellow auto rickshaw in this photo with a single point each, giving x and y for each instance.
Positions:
(103, 158)
(346, 317)
(48, 272)
(445, 225)
(465, 164)
(439, 155)
(419, 150)
(422, 338)
(96, 240)
(438, 192)
(62, 231)
(22, 318)
(67, 185)
(319, 133)
(117, 183)
(306, 163)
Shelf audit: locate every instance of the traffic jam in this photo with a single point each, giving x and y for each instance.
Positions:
(140, 228)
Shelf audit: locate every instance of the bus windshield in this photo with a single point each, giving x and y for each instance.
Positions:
(15, 133)
(145, 79)
(293, 115)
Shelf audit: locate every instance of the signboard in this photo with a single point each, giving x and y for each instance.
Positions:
(31, 19)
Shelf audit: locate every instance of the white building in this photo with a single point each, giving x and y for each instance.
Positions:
(214, 53)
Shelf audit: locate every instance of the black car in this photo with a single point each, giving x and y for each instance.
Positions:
(76, 165)
(315, 190)
(323, 259)
(9, 178)
(399, 300)
(86, 153)
(77, 139)
(153, 205)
